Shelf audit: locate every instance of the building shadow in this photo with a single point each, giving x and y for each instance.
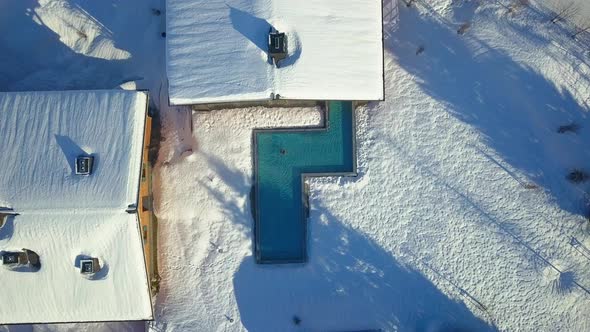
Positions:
(71, 151)
(255, 29)
(6, 226)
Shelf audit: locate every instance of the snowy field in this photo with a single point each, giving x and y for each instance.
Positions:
(461, 217)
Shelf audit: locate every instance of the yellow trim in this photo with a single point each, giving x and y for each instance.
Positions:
(147, 220)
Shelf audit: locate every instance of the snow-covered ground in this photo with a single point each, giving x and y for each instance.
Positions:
(461, 216)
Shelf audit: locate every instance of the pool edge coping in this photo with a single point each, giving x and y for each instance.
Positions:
(304, 176)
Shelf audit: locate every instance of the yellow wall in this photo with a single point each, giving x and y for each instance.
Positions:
(147, 220)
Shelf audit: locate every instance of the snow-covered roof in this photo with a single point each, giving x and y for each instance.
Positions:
(58, 292)
(63, 216)
(217, 50)
(41, 134)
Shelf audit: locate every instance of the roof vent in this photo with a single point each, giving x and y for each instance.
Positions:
(12, 258)
(25, 260)
(277, 45)
(84, 165)
(89, 266)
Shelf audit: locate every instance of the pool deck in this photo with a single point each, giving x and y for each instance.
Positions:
(283, 159)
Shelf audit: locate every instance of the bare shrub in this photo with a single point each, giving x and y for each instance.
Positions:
(578, 176)
(568, 128)
(463, 28)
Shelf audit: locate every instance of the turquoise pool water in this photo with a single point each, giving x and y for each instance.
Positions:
(283, 157)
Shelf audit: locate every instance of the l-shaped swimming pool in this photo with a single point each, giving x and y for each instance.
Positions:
(283, 158)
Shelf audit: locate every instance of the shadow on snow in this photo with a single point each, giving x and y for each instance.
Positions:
(256, 30)
(350, 281)
(34, 57)
(516, 109)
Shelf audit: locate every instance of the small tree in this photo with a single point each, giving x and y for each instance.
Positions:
(563, 10)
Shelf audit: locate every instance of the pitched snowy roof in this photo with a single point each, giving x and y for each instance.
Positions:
(41, 134)
(58, 292)
(216, 50)
(63, 216)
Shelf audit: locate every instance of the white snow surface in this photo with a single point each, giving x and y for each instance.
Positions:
(217, 50)
(62, 215)
(58, 292)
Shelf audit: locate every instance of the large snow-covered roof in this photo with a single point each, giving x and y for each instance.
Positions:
(58, 292)
(63, 216)
(216, 50)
